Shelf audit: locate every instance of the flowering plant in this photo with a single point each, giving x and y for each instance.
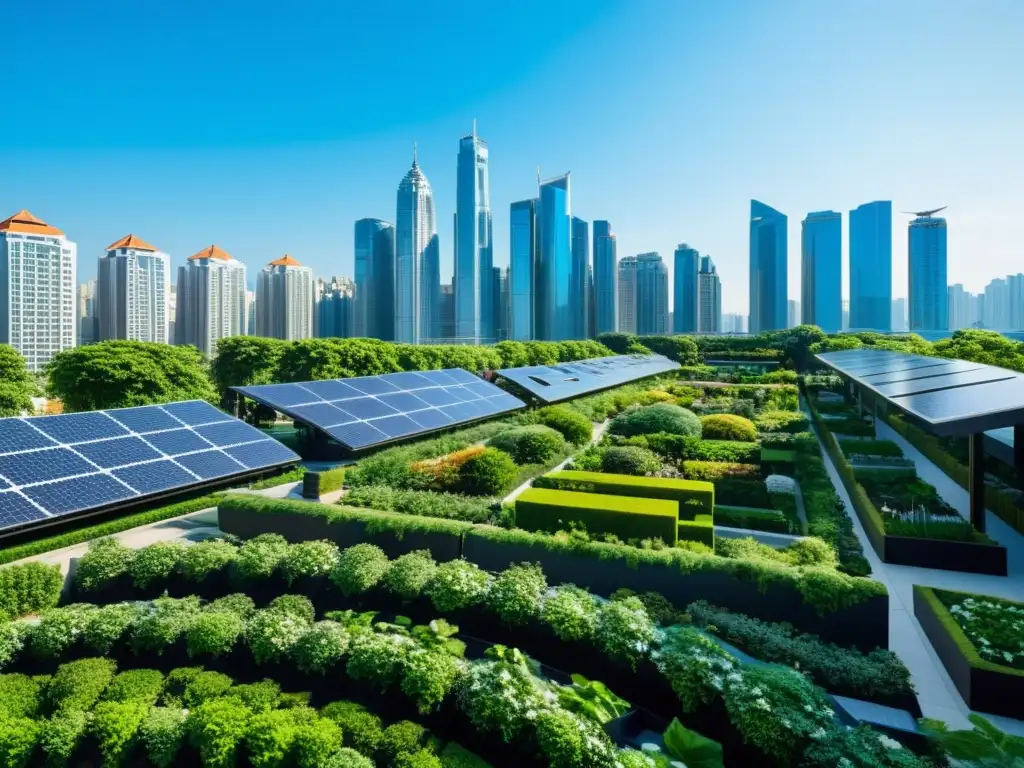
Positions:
(321, 647)
(272, 633)
(624, 630)
(378, 656)
(571, 613)
(503, 696)
(408, 575)
(516, 593)
(995, 628)
(359, 569)
(309, 558)
(696, 666)
(457, 584)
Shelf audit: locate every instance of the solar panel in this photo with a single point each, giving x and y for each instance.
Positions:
(78, 462)
(367, 411)
(949, 381)
(561, 382)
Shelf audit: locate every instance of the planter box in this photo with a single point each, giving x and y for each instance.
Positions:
(966, 556)
(984, 686)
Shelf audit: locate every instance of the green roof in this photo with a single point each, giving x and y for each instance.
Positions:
(640, 482)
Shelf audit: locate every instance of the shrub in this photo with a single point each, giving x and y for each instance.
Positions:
(105, 626)
(12, 641)
(452, 506)
(428, 677)
(29, 588)
(423, 758)
(679, 448)
(515, 594)
(155, 564)
(105, 562)
(321, 647)
(871, 448)
(457, 584)
(571, 613)
(299, 606)
(259, 697)
(726, 426)
(168, 621)
(573, 425)
(177, 681)
(316, 743)
(114, 724)
(348, 758)
(660, 417)
(309, 559)
(624, 630)
(361, 730)
(629, 460)
(272, 634)
(239, 604)
(571, 741)
(259, 557)
(79, 684)
(531, 444)
(269, 737)
(162, 733)
(138, 685)
(378, 658)
(20, 696)
(408, 574)
(782, 421)
(402, 738)
(488, 473)
(359, 569)
(18, 738)
(61, 735)
(216, 728)
(58, 630)
(206, 686)
(205, 558)
(214, 633)
(713, 471)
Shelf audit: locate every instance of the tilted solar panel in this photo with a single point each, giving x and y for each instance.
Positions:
(79, 462)
(561, 382)
(367, 411)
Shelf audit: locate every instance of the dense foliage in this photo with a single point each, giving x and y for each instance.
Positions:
(17, 387)
(661, 417)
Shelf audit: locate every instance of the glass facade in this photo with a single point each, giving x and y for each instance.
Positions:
(871, 267)
(417, 261)
(374, 312)
(651, 295)
(821, 271)
(928, 296)
(132, 290)
(606, 279)
(473, 283)
(685, 297)
(580, 269)
(709, 288)
(769, 248)
(522, 268)
(555, 307)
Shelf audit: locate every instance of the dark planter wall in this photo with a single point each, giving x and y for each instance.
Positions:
(962, 556)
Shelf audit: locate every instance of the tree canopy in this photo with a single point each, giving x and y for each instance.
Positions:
(978, 346)
(121, 374)
(17, 386)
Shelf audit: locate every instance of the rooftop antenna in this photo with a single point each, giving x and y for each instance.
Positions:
(414, 154)
(474, 129)
(538, 175)
(925, 214)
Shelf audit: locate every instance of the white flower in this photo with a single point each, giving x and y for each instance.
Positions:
(888, 742)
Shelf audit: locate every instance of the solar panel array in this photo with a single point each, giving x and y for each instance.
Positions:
(60, 465)
(954, 397)
(366, 411)
(553, 383)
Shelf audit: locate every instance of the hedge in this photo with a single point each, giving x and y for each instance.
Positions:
(871, 448)
(713, 471)
(331, 479)
(29, 588)
(693, 496)
(770, 520)
(546, 509)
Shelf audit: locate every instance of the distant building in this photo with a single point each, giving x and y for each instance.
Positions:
(417, 260)
(627, 294)
(523, 269)
(733, 323)
(38, 315)
(769, 251)
(88, 320)
(651, 295)
(821, 274)
(591, 304)
(709, 289)
(1002, 305)
(284, 300)
(556, 309)
(334, 313)
(898, 316)
(962, 307)
(172, 307)
(685, 291)
(793, 315)
(928, 301)
(447, 311)
(871, 266)
(846, 315)
(474, 260)
(132, 291)
(502, 304)
(250, 313)
(606, 279)
(211, 299)
(578, 278)
(374, 312)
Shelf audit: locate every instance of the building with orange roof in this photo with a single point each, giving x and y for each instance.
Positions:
(37, 289)
(210, 296)
(284, 300)
(133, 281)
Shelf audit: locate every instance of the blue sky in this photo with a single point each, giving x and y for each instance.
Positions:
(271, 128)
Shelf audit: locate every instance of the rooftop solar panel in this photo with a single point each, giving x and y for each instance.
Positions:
(80, 462)
(933, 384)
(367, 411)
(561, 382)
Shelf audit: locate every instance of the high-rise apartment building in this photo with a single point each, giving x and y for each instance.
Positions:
(88, 320)
(250, 313)
(733, 323)
(871, 266)
(211, 300)
(417, 261)
(769, 249)
(447, 311)
(1002, 305)
(821, 270)
(685, 293)
(962, 308)
(334, 313)
(926, 238)
(502, 304)
(523, 269)
(284, 300)
(651, 295)
(606, 279)
(627, 294)
(474, 258)
(580, 273)
(38, 314)
(555, 308)
(709, 297)
(132, 286)
(374, 313)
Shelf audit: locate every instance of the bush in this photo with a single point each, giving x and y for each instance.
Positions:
(488, 473)
(105, 562)
(138, 685)
(12, 641)
(259, 557)
(79, 684)
(428, 676)
(168, 621)
(451, 506)
(423, 758)
(162, 733)
(299, 606)
(155, 564)
(269, 737)
(29, 588)
(571, 613)
(570, 741)
(359, 569)
(18, 738)
(214, 633)
(61, 736)
(259, 697)
(20, 696)
(317, 742)
(320, 648)
(272, 634)
(239, 604)
(57, 630)
(782, 421)
(361, 730)
(114, 725)
(629, 460)
(401, 738)
(309, 559)
(713, 471)
(871, 448)
(205, 558)
(679, 448)
(348, 758)
(206, 686)
(216, 728)
(530, 444)
(726, 426)
(660, 417)
(624, 630)
(378, 658)
(573, 425)
(457, 584)
(516, 593)
(408, 574)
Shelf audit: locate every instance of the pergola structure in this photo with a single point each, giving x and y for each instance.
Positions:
(950, 398)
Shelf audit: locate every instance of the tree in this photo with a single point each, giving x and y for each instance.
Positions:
(314, 359)
(121, 374)
(17, 385)
(987, 347)
(244, 361)
(796, 345)
(682, 349)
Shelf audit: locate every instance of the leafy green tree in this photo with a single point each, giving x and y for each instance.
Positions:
(682, 349)
(617, 342)
(244, 361)
(986, 347)
(17, 385)
(313, 359)
(122, 374)
(796, 346)
(542, 352)
(514, 354)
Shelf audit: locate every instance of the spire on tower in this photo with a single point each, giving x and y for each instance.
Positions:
(414, 154)
(474, 129)
(538, 175)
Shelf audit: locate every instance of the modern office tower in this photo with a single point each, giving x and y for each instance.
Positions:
(606, 280)
(172, 308)
(522, 264)
(580, 271)
(821, 270)
(733, 323)
(769, 249)
(474, 258)
(417, 261)
(685, 291)
(502, 303)
(132, 291)
(898, 321)
(846, 315)
(1015, 286)
(793, 315)
(555, 308)
(211, 300)
(334, 315)
(709, 297)
(962, 307)
(37, 289)
(374, 314)
(284, 300)
(871, 266)
(88, 320)
(651, 295)
(446, 313)
(250, 313)
(926, 247)
(627, 294)
(591, 302)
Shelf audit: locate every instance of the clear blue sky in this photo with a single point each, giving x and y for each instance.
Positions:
(269, 128)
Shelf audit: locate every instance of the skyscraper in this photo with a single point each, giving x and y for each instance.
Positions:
(88, 320)
(374, 312)
(709, 299)
(792, 313)
(871, 266)
(555, 309)
(769, 249)
(580, 271)
(447, 312)
(821, 273)
(606, 279)
(523, 268)
(132, 291)
(898, 315)
(417, 261)
(685, 293)
(172, 307)
(37, 289)
(651, 295)
(627, 294)
(591, 304)
(284, 300)
(334, 314)
(472, 285)
(211, 299)
(926, 239)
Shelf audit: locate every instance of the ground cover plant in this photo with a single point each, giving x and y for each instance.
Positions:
(995, 627)
(911, 507)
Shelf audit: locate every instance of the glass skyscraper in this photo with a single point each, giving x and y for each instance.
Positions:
(821, 270)
(606, 280)
(769, 248)
(555, 308)
(417, 261)
(871, 266)
(928, 298)
(473, 283)
(685, 295)
(709, 289)
(651, 295)
(374, 315)
(580, 269)
(522, 268)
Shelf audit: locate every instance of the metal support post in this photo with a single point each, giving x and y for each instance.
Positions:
(977, 480)
(1018, 449)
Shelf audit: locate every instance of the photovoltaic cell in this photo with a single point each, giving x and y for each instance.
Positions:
(554, 383)
(210, 464)
(117, 451)
(931, 384)
(71, 428)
